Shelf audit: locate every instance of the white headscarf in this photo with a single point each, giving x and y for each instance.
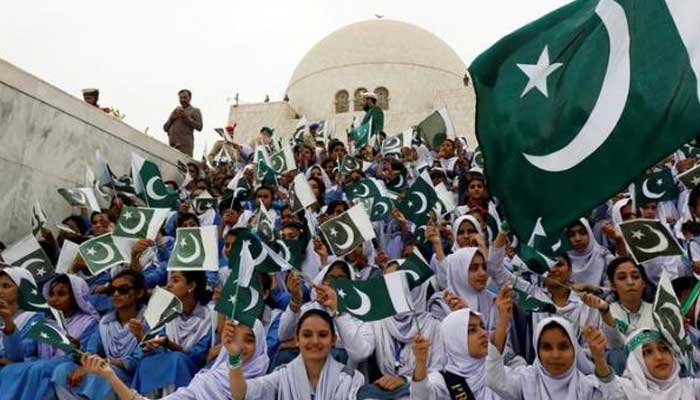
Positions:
(589, 265)
(21, 318)
(454, 330)
(458, 222)
(537, 383)
(637, 381)
(335, 382)
(458, 281)
(616, 213)
(188, 330)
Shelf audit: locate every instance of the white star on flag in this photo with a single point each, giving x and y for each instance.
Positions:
(637, 235)
(34, 292)
(659, 182)
(696, 180)
(334, 232)
(183, 242)
(410, 204)
(44, 335)
(341, 293)
(127, 215)
(41, 271)
(538, 73)
(91, 251)
(232, 299)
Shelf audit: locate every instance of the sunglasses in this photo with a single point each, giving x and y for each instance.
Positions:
(122, 290)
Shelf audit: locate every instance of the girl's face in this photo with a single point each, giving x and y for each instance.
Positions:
(124, 295)
(475, 190)
(477, 338)
(178, 285)
(555, 351)
(648, 211)
(628, 283)
(101, 224)
(464, 232)
(315, 173)
(626, 212)
(8, 290)
(477, 276)
(561, 271)
(60, 298)
(336, 272)
(578, 237)
(447, 149)
(314, 188)
(246, 338)
(315, 339)
(264, 197)
(658, 360)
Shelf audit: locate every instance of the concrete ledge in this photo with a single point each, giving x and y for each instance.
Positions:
(48, 137)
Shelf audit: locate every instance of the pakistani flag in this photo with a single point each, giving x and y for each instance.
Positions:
(49, 334)
(283, 161)
(419, 200)
(163, 307)
(69, 251)
(240, 187)
(205, 202)
(251, 254)
(195, 249)
(374, 299)
(690, 151)
(241, 303)
(30, 298)
(290, 250)
(101, 253)
(264, 225)
(446, 203)
(28, 254)
(647, 239)
(348, 230)
(149, 185)
(368, 187)
(416, 268)
(436, 128)
(81, 197)
(595, 91)
(478, 159)
(537, 255)
(394, 144)
(398, 184)
(667, 316)
(691, 177)
(349, 164)
(529, 303)
(264, 174)
(104, 176)
(301, 195)
(363, 135)
(298, 135)
(655, 187)
(140, 222)
(381, 207)
(38, 218)
(125, 184)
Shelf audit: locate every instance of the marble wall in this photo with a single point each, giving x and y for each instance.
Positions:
(47, 138)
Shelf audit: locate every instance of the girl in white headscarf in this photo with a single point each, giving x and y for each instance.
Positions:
(465, 341)
(652, 372)
(15, 322)
(588, 258)
(466, 232)
(553, 375)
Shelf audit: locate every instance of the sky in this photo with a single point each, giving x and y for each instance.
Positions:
(140, 53)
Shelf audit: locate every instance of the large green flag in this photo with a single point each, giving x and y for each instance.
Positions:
(51, 335)
(195, 249)
(374, 299)
(655, 187)
(596, 91)
(149, 185)
(102, 253)
(419, 200)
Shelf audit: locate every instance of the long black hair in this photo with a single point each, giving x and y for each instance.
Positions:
(617, 262)
(201, 294)
(316, 313)
(137, 281)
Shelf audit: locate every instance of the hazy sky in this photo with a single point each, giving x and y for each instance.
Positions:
(140, 53)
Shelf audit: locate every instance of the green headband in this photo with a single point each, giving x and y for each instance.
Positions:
(642, 338)
(691, 299)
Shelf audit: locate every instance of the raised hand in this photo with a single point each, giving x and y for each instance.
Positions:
(421, 349)
(229, 338)
(96, 365)
(504, 302)
(453, 301)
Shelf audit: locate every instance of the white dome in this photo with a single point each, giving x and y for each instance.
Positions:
(410, 62)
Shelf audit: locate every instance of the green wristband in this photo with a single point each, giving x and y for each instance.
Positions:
(234, 361)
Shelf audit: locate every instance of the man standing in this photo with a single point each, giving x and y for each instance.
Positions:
(373, 111)
(91, 96)
(183, 121)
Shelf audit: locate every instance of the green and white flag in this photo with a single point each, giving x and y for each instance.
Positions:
(537, 255)
(398, 184)
(81, 197)
(125, 184)
(301, 195)
(283, 161)
(205, 202)
(667, 316)
(149, 185)
(416, 268)
(647, 239)
(264, 174)
(690, 151)
(419, 200)
(290, 250)
(28, 254)
(363, 135)
(38, 218)
(241, 303)
(394, 144)
(691, 177)
(446, 203)
(381, 207)
(368, 187)
(163, 307)
(528, 303)
(69, 251)
(140, 222)
(348, 230)
(196, 249)
(299, 131)
(478, 159)
(102, 253)
(349, 164)
(656, 187)
(240, 187)
(104, 176)
(251, 254)
(49, 334)
(264, 225)
(593, 92)
(374, 299)
(30, 298)
(436, 128)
